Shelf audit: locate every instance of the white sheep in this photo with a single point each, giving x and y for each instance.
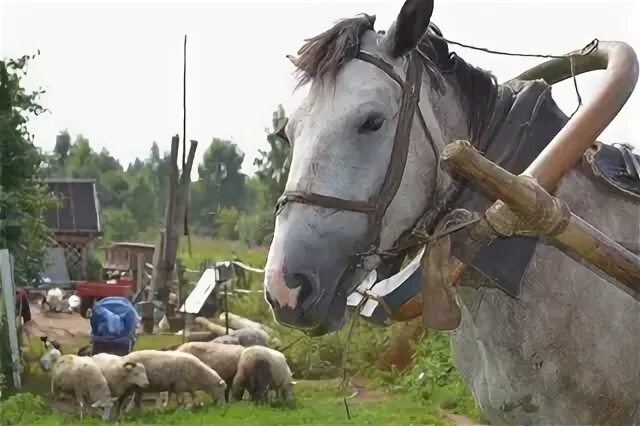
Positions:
(177, 372)
(260, 370)
(222, 358)
(121, 374)
(80, 377)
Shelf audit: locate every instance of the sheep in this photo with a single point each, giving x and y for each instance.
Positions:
(177, 372)
(261, 369)
(121, 375)
(227, 339)
(246, 337)
(223, 358)
(80, 377)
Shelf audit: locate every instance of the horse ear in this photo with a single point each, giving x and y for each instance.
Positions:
(409, 27)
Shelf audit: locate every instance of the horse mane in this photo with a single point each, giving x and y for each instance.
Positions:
(326, 53)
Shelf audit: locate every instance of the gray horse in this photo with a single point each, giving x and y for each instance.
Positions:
(551, 342)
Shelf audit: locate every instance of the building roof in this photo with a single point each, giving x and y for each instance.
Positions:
(79, 211)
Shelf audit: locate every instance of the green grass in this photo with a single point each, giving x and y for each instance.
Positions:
(219, 250)
(315, 403)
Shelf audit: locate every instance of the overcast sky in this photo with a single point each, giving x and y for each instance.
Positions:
(113, 71)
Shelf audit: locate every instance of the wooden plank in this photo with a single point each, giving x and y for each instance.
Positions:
(9, 296)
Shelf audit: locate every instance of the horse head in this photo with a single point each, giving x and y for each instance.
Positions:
(364, 169)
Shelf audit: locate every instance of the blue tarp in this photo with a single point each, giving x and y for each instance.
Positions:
(115, 318)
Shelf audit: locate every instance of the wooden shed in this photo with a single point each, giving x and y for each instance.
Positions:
(75, 222)
(123, 256)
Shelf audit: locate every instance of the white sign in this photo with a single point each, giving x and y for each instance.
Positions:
(201, 292)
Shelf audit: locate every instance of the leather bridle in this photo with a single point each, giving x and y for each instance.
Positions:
(376, 206)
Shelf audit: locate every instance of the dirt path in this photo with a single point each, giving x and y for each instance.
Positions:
(61, 327)
(460, 420)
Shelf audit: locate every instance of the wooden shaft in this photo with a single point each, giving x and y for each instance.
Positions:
(545, 214)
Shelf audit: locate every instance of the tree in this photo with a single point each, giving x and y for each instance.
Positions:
(22, 200)
(116, 187)
(119, 224)
(141, 202)
(273, 165)
(221, 183)
(83, 161)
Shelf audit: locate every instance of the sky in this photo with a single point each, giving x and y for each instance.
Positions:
(113, 70)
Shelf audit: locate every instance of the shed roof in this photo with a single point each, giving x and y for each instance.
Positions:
(79, 211)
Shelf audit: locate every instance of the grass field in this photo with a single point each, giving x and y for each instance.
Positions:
(316, 402)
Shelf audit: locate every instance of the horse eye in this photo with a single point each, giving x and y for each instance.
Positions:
(373, 123)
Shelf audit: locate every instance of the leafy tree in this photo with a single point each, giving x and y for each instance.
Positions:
(22, 200)
(220, 170)
(273, 165)
(140, 201)
(83, 160)
(116, 185)
(119, 224)
(226, 221)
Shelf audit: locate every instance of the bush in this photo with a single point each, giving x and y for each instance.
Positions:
(434, 377)
(119, 224)
(225, 223)
(254, 229)
(22, 408)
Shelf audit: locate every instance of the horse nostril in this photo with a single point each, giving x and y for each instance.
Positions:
(306, 288)
(271, 300)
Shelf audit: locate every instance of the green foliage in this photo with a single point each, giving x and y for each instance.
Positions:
(221, 184)
(22, 408)
(434, 377)
(22, 199)
(254, 229)
(226, 222)
(141, 202)
(119, 224)
(273, 165)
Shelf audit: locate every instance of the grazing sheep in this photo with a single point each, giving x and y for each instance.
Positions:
(246, 337)
(260, 370)
(227, 339)
(223, 358)
(121, 375)
(177, 372)
(80, 377)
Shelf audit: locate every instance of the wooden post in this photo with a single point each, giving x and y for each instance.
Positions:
(226, 307)
(177, 197)
(139, 272)
(180, 280)
(9, 296)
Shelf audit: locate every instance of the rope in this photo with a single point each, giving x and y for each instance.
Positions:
(587, 50)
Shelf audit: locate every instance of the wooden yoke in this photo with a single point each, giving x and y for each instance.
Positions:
(531, 210)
